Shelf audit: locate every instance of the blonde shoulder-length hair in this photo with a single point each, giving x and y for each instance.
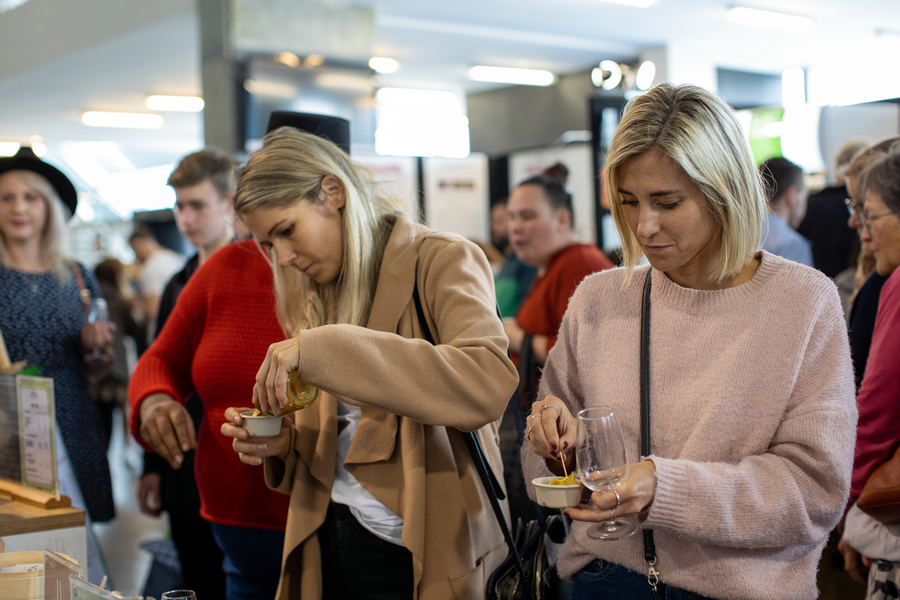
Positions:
(55, 232)
(698, 131)
(289, 168)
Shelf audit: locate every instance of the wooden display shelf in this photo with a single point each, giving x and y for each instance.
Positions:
(18, 518)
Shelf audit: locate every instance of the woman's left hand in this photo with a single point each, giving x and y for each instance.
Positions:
(635, 495)
(270, 390)
(97, 335)
(253, 450)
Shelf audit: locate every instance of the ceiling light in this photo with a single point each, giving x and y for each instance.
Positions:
(345, 82)
(288, 58)
(636, 3)
(124, 120)
(313, 60)
(513, 76)
(608, 75)
(767, 19)
(175, 103)
(270, 88)
(646, 73)
(39, 149)
(381, 64)
(8, 148)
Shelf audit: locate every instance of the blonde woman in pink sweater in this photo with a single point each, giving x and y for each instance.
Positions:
(751, 387)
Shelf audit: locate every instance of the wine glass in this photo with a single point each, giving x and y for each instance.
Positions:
(602, 464)
(179, 595)
(98, 312)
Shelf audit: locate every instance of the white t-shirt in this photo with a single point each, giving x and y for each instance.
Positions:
(158, 270)
(371, 514)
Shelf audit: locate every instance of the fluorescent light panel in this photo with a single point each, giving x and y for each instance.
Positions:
(9, 148)
(768, 19)
(123, 120)
(513, 76)
(381, 64)
(175, 103)
(636, 3)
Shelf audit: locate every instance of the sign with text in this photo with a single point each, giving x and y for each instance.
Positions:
(37, 433)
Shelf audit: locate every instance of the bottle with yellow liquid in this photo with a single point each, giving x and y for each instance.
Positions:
(300, 394)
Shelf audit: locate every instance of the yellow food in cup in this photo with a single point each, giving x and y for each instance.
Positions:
(567, 480)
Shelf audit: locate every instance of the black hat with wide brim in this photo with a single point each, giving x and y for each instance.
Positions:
(26, 160)
(334, 129)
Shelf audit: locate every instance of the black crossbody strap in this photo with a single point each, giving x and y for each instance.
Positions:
(488, 478)
(649, 545)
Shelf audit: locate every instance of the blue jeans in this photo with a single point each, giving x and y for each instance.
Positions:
(601, 579)
(252, 562)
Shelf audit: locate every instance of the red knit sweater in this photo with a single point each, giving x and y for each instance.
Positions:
(214, 343)
(542, 310)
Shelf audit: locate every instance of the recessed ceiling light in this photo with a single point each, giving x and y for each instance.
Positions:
(513, 76)
(39, 149)
(768, 19)
(381, 64)
(645, 75)
(608, 75)
(175, 103)
(313, 60)
(270, 88)
(637, 3)
(288, 58)
(8, 148)
(124, 120)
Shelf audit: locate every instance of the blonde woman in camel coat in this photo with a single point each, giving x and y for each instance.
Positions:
(357, 338)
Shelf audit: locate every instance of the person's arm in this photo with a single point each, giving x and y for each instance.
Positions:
(464, 382)
(795, 492)
(879, 395)
(162, 379)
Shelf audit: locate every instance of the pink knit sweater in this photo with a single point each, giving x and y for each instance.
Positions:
(753, 423)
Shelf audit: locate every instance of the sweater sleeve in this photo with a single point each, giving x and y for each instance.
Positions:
(879, 395)
(792, 494)
(166, 366)
(465, 381)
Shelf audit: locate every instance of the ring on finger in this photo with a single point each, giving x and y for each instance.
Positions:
(546, 406)
(618, 500)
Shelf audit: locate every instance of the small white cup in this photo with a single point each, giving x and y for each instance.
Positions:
(556, 496)
(262, 425)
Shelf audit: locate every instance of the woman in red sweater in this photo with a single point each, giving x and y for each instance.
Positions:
(540, 232)
(212, 344)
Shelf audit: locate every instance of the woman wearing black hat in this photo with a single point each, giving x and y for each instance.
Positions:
(42, 319)
(385, 501)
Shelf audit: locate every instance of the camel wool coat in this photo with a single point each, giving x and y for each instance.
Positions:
(415, 398)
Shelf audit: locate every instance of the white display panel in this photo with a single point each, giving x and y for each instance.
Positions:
(457, 197)
(577, 157)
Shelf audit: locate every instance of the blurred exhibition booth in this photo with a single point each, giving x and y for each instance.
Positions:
(450, 105)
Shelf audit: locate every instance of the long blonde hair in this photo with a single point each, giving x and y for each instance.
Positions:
(289, 168)
(698, 131)
(55, 232)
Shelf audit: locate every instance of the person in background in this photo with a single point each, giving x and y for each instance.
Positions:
(111, 392)
(158, 265)
(834, 243)
(540, 231)
(204, 184)
(42, 318)
(787, 206)
(878, 436)
(514, 278)
(385, 501)
(752, 416)
(864, 309)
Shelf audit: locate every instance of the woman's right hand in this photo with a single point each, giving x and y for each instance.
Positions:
(854, 563)
(550, 429)
(253, 450)
(166, 427)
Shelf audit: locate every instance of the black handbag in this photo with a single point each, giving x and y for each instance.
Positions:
(528, 559)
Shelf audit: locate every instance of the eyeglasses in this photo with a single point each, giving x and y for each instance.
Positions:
(867, 219)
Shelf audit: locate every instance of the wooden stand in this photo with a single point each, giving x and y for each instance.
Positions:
(19, 493)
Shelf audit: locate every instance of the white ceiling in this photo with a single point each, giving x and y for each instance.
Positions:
(61, 58)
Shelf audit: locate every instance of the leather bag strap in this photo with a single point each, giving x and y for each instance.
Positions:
(488, 478)
(649, 545)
